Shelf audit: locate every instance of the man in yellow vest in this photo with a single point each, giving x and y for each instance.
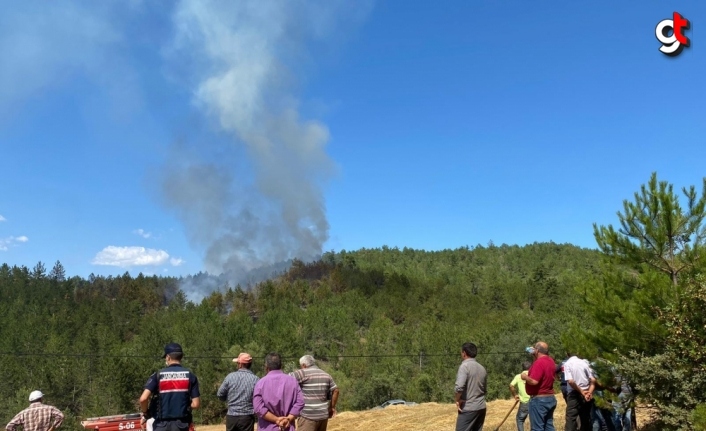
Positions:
(517, 388)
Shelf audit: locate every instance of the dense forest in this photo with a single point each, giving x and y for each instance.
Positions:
(386, 323)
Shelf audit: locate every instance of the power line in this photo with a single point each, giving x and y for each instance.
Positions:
(111, 356)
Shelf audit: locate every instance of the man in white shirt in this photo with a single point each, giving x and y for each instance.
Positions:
(579, 399)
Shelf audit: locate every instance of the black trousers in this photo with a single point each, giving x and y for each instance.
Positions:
(240, 423)
(170, 425)
(578, 408)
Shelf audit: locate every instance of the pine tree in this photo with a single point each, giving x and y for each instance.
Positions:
(658, 240)
(39, 271)
(656, 231)
(58, 273)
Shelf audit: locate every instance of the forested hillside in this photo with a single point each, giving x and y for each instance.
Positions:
(385, 322)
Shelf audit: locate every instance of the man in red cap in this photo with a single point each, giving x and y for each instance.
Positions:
(237, 390)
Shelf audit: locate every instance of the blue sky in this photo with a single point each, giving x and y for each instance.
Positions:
(207, 136)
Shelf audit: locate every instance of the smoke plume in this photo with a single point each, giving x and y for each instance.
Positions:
(245, 57)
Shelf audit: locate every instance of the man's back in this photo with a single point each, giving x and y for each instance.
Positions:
(316, 386)
(562, 378)
(279, 394)
(237, 389)
(37, 417)
(473, 377)
(176, 386)
(579, 371)
(521, 390)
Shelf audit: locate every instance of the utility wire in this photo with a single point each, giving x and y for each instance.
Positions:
(99, 355)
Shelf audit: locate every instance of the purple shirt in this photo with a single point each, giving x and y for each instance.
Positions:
(279, 394)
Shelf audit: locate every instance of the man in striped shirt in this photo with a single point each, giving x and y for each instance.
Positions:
(38, 416)
(237, 390)
(318, 388)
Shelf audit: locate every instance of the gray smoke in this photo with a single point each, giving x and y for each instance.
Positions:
(244, 57)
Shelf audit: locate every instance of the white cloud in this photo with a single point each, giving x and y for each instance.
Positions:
(142, 233)
(176, 261)
(6, 243)
(2, 218)
(126, 257)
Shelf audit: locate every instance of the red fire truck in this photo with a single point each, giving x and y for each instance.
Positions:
(126, 422)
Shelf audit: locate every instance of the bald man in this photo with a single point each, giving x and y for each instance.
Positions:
(539, 384)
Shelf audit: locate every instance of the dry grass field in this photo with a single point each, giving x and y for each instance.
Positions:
(432, 417)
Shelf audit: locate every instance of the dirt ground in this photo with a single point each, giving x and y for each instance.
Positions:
(433, 417)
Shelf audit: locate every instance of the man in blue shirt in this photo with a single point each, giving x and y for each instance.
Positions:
(560, 376)
(176, 391)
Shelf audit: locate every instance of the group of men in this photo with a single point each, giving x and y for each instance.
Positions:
(276, 400)
(538, 384)
(310, 395)
(172, 393)
(533, 389)
(615, 415)
(578, 387)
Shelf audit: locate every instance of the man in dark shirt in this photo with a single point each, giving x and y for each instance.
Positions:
(624, 409)
(560, 376)
(177, 394)
(540, 387)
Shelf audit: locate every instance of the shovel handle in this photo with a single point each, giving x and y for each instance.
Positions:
(508, 414)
